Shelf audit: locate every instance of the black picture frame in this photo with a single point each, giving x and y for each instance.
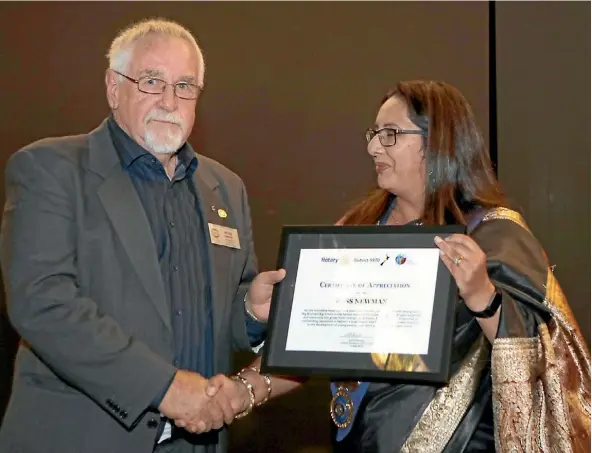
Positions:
(352, 365)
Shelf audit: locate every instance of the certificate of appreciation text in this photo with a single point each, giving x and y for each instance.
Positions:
(377, 300)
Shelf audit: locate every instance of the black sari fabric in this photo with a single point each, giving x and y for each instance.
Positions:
(389, 412)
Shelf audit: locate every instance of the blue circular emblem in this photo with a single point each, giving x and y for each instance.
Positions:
(400, 259)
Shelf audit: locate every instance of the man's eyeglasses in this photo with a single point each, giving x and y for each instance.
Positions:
(153, 85)
(388, 135)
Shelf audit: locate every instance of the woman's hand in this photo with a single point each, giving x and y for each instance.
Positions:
(468, 265)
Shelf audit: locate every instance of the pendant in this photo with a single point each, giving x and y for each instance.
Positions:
(342, 408)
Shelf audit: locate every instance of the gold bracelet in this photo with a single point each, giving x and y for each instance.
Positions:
(248, 368)
(248, 410)
(265, 377)
(268, 382)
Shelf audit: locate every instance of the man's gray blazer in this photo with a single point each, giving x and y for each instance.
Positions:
(85, 292)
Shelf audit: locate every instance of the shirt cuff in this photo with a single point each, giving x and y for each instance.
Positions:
(256, 330)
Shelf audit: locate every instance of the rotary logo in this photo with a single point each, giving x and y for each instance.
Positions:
(344, 260)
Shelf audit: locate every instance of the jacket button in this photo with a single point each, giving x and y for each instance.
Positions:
(152, 423)
(123, 414)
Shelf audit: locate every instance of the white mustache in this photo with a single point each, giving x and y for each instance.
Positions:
(168, 117)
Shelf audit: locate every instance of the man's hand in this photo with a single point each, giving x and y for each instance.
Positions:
(236, 392)
(188, 405)
(259, 295)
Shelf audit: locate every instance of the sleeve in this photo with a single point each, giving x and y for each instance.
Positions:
(239, 323)
(517, 266)
(256, 330)
(160, 396)
(8, 346)
(65, 328)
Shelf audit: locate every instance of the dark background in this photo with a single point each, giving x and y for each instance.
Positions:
(290, 88)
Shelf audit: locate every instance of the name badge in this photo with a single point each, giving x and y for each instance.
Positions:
(221, 235)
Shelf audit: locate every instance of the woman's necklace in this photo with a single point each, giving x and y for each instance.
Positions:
(396, 218)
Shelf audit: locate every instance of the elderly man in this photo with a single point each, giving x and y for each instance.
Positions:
(129, 270)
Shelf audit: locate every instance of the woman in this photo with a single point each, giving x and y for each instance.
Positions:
(531, 389)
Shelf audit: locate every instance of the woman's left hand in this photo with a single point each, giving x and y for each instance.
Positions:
(468, 265)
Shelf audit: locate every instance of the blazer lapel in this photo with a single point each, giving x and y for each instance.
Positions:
(124, 208)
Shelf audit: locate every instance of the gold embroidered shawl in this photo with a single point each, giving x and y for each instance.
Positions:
(541, 385)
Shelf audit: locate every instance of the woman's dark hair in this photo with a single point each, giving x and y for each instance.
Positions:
(459, 173)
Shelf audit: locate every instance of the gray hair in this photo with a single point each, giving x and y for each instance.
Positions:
(122, 46)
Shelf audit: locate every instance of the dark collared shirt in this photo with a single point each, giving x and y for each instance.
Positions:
(171, 206)
(175, 220)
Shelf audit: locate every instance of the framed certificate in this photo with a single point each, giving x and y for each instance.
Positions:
(362, 303)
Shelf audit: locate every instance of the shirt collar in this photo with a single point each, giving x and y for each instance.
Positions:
(129, 150)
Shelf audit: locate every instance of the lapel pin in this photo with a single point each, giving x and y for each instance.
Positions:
(222, 213)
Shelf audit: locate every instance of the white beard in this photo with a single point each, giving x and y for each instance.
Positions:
(168, 144)
(160, 143)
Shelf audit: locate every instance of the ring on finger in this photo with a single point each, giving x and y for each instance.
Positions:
(459, 259)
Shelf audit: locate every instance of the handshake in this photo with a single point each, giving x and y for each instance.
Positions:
(200, 405)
